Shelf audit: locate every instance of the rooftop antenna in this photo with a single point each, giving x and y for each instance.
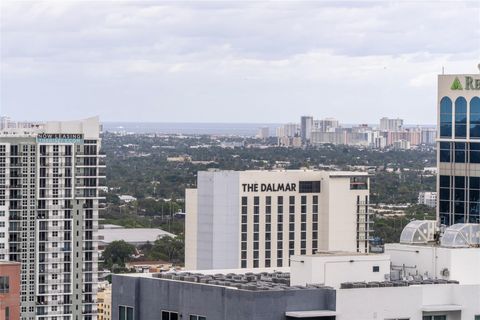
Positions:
(443, 70)
(478, 66)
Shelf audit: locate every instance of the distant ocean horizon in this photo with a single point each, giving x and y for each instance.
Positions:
(200, 128)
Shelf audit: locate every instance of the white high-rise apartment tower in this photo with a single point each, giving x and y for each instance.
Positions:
(49, 198)
(387, 124)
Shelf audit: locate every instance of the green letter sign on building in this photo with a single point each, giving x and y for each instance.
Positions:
(456, 85)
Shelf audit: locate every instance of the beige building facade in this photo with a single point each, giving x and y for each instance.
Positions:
(258, 219)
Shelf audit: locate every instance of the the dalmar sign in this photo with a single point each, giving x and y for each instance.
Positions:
(275, 187)
(469, 84)
(60, 138)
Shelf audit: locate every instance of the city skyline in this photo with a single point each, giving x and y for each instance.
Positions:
(232, 62)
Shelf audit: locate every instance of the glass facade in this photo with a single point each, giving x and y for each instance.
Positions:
(459, 199)
(459, 193)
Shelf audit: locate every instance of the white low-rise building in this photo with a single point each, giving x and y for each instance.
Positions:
(127, 198)
(427, 198)
(134, 236)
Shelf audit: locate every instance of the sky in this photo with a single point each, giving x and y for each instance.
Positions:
(232, 61)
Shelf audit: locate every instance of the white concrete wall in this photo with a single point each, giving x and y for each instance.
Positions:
(90, 127)
(462, 263)
(408, 302)
(191, 229)
(379, 303)
(226, 222)
(332, 270)
(217, 220)
(342, 211)
(465, 264)
(205, 219)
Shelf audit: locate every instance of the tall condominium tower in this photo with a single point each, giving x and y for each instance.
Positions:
(306, 126)
(258, 219)
(387, 124)
(49, 196)
(458, 145)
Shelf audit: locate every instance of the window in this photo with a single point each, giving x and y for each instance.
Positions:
(195, 317)
(169, 315)
(125, 313)
(442, 317)
(460, 118)
(475, 117)
(460, 152)
(376, 269)
(309, 187)
(4, 284)
(475, 152)
(358, 183)
(445, 152)
(446, 117)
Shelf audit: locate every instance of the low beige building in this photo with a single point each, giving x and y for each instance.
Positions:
(104, 303)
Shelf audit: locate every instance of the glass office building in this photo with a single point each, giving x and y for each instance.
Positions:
(458, 149)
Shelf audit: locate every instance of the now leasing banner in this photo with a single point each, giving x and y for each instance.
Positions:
(60, 138)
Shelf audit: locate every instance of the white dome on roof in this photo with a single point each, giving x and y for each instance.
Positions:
(461, 235)
(419, 232)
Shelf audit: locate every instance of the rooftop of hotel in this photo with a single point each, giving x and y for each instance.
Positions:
(331, 173)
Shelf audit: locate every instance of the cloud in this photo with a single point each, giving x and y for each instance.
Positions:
(205, 60)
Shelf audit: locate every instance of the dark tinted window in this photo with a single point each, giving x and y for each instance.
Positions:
(309, 187)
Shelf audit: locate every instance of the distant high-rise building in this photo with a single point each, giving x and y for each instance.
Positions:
(306, 125)
(401, 144)
(292, 130)
(387, 124)
(49, 198)
(325, 125)
(263, 133)
(458, 148)
(4, 122)
(429, 135)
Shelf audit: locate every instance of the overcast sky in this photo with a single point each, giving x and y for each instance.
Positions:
(230, 61)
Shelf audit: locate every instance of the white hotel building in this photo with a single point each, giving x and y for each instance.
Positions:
(50, 177)
(258, 219)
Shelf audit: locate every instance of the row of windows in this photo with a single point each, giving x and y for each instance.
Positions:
(268, 228)
(459, 152)
(459, 199)
(459, 182)
(460, 123)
